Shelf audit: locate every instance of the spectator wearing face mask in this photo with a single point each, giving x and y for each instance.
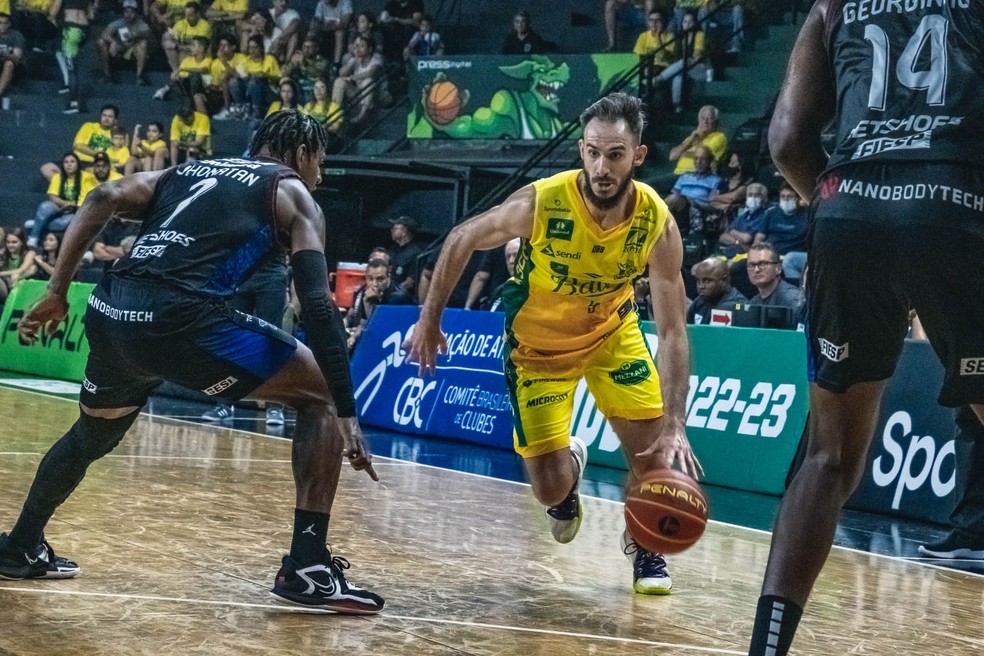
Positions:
(785, 226)
(739, 235)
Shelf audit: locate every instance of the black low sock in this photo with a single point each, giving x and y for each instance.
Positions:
(307, 546)
(776, 619)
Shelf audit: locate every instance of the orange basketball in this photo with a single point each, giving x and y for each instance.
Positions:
(443, 102)
(666, 512)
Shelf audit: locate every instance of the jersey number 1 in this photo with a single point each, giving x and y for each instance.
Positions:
(932, 31)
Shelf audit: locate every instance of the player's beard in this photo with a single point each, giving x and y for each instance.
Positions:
(604, 203)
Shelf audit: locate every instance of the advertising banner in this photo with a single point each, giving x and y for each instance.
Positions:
(60, 354)
(528, 97)
(911, 464)
(745, 413)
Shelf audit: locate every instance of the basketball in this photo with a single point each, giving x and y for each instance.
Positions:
(666, 512)
(443, 102)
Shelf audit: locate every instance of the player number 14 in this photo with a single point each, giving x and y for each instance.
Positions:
(932, 31)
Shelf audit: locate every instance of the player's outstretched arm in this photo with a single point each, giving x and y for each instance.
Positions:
(129, 196)
(298, 214)
(669, 314)
(491, 229)
(804, 107)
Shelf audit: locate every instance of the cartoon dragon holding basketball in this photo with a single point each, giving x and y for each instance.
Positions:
(530, 114)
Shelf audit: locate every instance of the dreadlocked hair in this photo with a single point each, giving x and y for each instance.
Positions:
(283, 132)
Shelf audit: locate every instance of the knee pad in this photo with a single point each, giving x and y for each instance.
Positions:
(95, 436)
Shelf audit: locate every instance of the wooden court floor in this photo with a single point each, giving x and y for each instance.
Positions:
(179, 533)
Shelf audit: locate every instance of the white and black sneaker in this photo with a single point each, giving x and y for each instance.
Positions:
(323, 585)
(565, 518)
(39, 563)
(649, 573)
(952, 547)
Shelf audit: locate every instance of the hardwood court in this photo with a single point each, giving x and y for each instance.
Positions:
(180, 530)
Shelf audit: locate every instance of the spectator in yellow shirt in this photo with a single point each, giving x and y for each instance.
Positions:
(190, 134)
(63, 197)
(226, 15)
(322, 109)
(250, 86)
(705, 134)
(288, 96)
(657, 42)
(148, 154)
(690, 50)
(177, 40)
(189, 80)
(101, 171)
(224, 67)
(92, 138)
(163, 14)
(119, 152)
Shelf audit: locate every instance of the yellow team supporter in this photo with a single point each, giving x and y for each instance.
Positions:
(70, 193)
(174, 8)
(662, 44)
(185, 32)
(118, 157)
(32, 5)
(266, 67)
(191, 65)
(89, 182)
(96, 137)
(147, 149)
(219, 69)
(230, 6)
(324, 113)
(185, 135)
(716, 141)
(572, 268)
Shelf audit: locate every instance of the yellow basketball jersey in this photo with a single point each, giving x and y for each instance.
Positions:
(573, 281)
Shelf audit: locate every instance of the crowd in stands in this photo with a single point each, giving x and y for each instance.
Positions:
(230, 59)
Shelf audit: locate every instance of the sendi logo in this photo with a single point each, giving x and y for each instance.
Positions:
(567, 255)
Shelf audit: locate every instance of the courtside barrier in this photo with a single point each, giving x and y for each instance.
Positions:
(59, 354)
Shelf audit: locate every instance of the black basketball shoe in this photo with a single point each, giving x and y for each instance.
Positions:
(323, 585)
(39, 563)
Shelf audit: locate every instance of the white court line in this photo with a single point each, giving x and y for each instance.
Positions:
(900, 559)
(404, 618)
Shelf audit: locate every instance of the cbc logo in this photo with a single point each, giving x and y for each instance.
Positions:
(406, 408)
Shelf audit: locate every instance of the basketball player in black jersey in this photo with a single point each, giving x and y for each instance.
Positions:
(898, 215)
(160, 314)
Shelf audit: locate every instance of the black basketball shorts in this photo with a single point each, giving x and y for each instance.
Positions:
(141, 334)
(887, 238)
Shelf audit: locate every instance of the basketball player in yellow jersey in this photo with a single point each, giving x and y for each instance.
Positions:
(586, 234)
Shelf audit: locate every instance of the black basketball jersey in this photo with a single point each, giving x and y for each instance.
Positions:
(210, 224)
(908, 76)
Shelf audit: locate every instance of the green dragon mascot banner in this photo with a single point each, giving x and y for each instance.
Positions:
(507, 96)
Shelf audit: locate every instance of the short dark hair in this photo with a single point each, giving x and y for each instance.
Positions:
(158, 125)
(766, 246)
(116, 110)
(617, 107)
(283, 132)
(202, 40)
(4, 15)
(377, 262)
(194, 5)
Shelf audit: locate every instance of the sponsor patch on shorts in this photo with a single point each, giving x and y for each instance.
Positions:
(834, 352)
(221, 386)
(631, 373)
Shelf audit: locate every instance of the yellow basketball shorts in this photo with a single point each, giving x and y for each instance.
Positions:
(620, 374)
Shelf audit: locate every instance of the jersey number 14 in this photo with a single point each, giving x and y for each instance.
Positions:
(932, 32)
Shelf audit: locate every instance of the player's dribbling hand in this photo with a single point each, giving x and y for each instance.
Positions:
(354, 446)
(423, 345)
(672, 445)
(50, 311)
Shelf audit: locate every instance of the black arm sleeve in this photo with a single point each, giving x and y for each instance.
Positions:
(323, 324)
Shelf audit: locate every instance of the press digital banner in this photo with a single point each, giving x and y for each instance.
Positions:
(745, 413)
(58, 354)
(507, 96)
(911, 466)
